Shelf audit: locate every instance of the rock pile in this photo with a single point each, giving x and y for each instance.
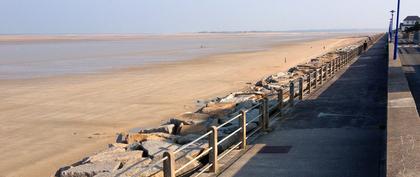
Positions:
(135, 151)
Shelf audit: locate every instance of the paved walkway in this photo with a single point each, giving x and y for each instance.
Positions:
(410, 59)
(337, 132)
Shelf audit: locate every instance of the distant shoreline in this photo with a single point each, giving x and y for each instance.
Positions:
(134, 36)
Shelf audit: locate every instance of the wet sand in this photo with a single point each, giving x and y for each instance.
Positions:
(50, 122)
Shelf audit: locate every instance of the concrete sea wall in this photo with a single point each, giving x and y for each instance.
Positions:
(141, 151)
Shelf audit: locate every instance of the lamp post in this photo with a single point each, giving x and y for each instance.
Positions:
(390, 24)
(396, 31)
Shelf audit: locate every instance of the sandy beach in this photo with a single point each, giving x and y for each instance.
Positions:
(50, 122)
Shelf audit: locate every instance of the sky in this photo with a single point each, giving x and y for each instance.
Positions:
(177, 16)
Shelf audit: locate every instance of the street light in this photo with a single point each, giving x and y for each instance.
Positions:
(390, 24)
(396, 31)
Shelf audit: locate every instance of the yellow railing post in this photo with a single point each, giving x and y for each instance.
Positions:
(280, 101)
(214, 151)
(292, 93)
(300, 88)
(309, 80)
(321, 74)
(169, 164)
(264, 114)
(243, 131)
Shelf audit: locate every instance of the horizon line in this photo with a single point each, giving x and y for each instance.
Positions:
(209, 31)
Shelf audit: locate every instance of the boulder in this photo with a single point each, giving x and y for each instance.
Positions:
(229, 129)
(190, 118)
(272, 87)
(121, 138)
(251, 126)
(193, 166)
(196, 128)
(155, 149)
(237, 97)
(90, 169)
(186, 139)
(292, 70)
(228, 142)
(140, 137)
(134, 146)
(194, 149)
(114, 155)
(134, 168)
(143, 170)
(218, 109)
(252, 114)
(249, 116)
(139, 170)
(245, 104)
(118, 145)
(161, 129)
(272, 103)
(192, 129)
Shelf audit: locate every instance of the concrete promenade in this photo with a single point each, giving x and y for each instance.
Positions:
(339, 131)
(403, 124)
(410, 60)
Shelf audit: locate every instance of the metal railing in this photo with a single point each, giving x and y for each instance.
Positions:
(284, 98)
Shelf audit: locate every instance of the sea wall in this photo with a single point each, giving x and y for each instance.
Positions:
(139, 151)
(403, 124)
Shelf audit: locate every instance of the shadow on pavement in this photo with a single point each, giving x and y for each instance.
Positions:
(337, 131)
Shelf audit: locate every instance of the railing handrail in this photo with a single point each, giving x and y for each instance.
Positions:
(287, 97)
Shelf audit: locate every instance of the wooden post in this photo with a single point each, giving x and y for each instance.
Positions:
(243, 131)
(335, 65)
(261, 119)
(214, 152)
(309, 83)
(331, 69)
(292, 93)
(326, 71)
(300, 88)
(316, 78)
(347, 56)
(265, 115)
(169, 164)
(321, 74)
(338, 62)
(280, 101)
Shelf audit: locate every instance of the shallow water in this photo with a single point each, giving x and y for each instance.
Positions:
(19, 60)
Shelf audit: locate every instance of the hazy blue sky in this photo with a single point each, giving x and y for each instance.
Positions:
(169, 16)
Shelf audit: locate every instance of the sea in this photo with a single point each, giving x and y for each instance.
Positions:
(24, 59)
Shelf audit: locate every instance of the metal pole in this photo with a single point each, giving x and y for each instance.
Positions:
(396, 31)
(390, 25)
